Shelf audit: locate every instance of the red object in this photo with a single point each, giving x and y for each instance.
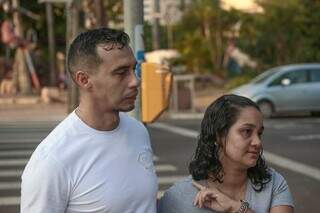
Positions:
(7, 33)
(8, 36)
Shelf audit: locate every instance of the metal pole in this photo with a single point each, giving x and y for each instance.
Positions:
(155, 25)
(133, 25)
(51, 42)
(72, 30)
(100, 13)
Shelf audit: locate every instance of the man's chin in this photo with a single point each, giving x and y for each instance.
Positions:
(127, 108)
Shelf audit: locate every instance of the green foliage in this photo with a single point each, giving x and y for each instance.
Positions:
(199, 36)
(148, 37)
(244, 78)
(285, 33)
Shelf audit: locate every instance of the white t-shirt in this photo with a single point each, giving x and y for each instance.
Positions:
(79, 169)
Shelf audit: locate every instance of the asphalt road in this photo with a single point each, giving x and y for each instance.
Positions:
(295, 140)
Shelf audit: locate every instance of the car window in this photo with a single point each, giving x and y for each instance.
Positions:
(295, 77)
(315, 75)
(264, 76)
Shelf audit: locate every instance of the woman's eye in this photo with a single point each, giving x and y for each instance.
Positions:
(246, 132)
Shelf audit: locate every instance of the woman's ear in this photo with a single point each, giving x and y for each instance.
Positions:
(82, 78)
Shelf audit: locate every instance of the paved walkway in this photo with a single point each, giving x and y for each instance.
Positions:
(32, 112)
(31, 109)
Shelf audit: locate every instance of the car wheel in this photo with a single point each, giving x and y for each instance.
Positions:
(266, 108)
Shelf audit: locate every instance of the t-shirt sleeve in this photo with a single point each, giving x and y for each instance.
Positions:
(281, 194)
(169, 202)
(44, 187)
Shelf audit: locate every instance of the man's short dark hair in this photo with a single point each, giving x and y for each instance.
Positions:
(82, 52)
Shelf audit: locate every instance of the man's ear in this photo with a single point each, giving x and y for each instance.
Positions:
(83, 79)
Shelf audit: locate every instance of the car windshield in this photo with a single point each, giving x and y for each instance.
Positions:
(264, 76)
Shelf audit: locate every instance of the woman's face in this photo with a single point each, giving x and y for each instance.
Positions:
(242, 144)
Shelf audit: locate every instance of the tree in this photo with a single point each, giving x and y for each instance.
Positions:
(286, 32)
(200, 35)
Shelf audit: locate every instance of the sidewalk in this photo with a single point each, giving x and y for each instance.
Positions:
(31, 109)
(32, 112)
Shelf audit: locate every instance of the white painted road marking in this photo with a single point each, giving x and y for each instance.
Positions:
(304, 137)
(177, 130)
(292, 165)
(277, 160)
(165, 168)
(9, 201)
(170, 179)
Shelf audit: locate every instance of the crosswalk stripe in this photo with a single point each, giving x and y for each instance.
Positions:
(9, 201)
(165, 168)
(170, 179)
(13, 162)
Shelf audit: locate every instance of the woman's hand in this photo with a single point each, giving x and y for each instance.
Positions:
(214, 199)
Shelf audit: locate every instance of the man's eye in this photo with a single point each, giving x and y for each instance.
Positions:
(122, 72)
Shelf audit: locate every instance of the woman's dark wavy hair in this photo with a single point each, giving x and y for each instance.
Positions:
(218, 118)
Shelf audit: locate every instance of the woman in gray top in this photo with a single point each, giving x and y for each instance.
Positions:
(228, 173)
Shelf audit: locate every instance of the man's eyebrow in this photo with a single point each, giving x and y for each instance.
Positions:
(120, 68)
(123, 67)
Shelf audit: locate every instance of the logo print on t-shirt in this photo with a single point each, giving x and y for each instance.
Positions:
(145, 158)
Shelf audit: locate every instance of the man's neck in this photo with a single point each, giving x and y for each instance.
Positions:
(96, 118)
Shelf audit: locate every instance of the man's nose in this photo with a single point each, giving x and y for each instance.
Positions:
(134, 80)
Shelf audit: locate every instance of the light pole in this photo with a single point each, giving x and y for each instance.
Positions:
(133, 26)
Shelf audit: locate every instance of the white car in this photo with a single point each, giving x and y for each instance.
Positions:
(289, 88)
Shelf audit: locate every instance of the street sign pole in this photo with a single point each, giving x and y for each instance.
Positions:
(72, 30)
(133, 26)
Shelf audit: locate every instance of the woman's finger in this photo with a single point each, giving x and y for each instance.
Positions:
(196, 199)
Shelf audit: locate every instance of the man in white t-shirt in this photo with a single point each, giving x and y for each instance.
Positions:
(98, 159)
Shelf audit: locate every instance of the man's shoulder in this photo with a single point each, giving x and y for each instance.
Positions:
(55, 139)
(131, 121)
